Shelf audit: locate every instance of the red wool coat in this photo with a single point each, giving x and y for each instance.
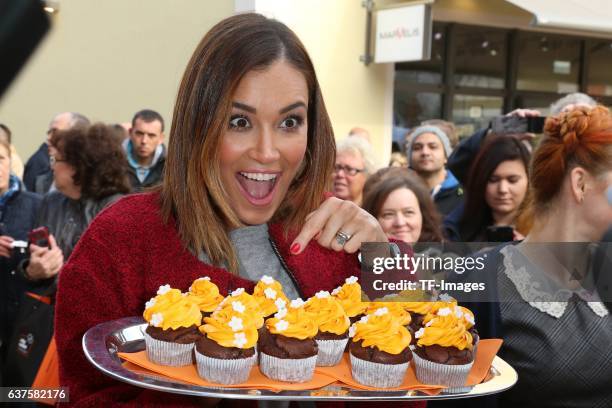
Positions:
(120, 262)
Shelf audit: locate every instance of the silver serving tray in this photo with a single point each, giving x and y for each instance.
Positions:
(102, 343)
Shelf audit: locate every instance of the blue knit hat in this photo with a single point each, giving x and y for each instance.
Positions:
(427, 129)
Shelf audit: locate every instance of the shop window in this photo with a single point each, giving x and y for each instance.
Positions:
(426, 72)
(599, 72)
(413, 108)
(474, 112)
(548, 63)
(538, 102)
(480, 57)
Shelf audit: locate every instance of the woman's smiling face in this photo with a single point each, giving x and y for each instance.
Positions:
(265, 141)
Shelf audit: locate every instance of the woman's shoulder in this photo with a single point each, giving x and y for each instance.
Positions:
(130, 215)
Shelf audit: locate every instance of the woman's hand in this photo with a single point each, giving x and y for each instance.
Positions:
(334, 219)
(5, 246)
(45, 263)
(524, 113)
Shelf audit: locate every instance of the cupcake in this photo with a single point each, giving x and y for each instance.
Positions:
(173, 327)
(269, 296)
(349, 296)
(205, 294)
(333, 325)
(225, 353)
(379, 350)
(288, 351)
(444, 353)
(245, 301)
(418, 311)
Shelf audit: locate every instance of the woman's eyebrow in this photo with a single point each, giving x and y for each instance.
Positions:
(292, 106)
(251, 109)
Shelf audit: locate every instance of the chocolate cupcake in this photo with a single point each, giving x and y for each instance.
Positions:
(205, 294)
(173, 327)
(333, 325)
(226, 352)
(444, 353)
(379, 350)
(288, 351)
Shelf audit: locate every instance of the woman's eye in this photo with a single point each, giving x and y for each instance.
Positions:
(291, 122)
(239, 122)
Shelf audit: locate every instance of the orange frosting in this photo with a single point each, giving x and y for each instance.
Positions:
(269, 295)
(446, 330)
(242, 302)
(349, 296)
(381, 330)
(293, 322)
(170, 309)
(205, 294)
(395, 308)
(328, 313)
(229, 328)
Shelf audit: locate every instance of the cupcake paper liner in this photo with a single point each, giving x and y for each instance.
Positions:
(330, 352)
(287, 369)
(377, 374)
(452, 376)
(168, 353)
(224, 371)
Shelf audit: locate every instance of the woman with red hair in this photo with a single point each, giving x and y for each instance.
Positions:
(556, 332)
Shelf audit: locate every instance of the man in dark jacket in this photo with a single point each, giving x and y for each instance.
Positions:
(428, 149)
(145, 150)
(37, 175)
(18, 212)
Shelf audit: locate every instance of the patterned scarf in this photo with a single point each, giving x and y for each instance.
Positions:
(13, 188)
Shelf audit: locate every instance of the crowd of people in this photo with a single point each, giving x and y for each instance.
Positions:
(241, 192)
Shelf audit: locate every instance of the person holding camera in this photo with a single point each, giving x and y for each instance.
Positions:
(90, 173)
(18, 210)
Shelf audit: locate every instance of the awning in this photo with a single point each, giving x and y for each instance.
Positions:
(590, 15)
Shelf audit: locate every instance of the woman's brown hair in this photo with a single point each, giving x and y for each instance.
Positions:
(387, 180)
(96, 155)
(192, 191)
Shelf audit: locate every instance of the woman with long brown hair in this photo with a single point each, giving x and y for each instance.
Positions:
(250, 154)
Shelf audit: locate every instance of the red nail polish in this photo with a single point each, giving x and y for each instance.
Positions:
(295, 248)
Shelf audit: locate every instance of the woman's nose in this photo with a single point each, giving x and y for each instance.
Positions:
(265, 149)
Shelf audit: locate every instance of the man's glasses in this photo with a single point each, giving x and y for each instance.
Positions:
(53, 160)
(351, 171)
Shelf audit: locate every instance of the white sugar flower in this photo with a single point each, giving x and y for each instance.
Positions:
(157, 319)
(163, 289)
(240, 340)
(238, 306)
(322, 294)
(419, 333)
(237, 292)
(458, 313)
(281, 313)
(150, 303)
(281, 325)
(267, 280)
(445, 297)
(270, 293)
(205, 278)
(351, 280)
(469, 318)
(296, 303)
(445, 311)
(429, 323)
(336, 291)
(280, 303)
(235, 324)
(364, 319)
(381, 312)
(352, 331)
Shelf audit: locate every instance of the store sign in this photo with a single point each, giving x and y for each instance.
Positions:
(403, 34)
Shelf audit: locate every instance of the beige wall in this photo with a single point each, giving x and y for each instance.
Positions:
(107, 59)
(333, 32)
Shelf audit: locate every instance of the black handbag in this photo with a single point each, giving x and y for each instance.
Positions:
(31, 336)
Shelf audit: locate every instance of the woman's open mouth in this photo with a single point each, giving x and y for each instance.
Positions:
(258, 188)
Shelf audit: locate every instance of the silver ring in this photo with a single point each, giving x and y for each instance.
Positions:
(342, 237)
